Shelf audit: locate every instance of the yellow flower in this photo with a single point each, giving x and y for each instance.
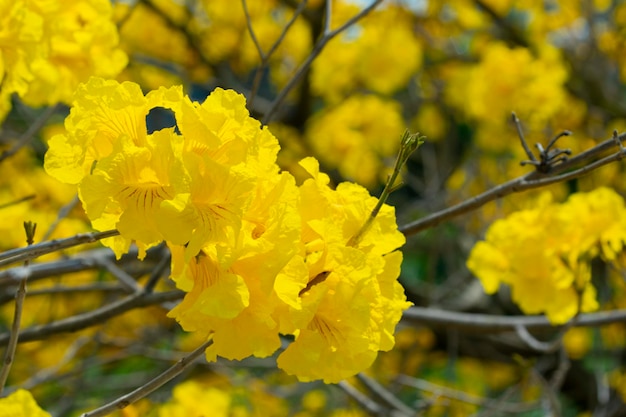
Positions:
(49, 47)
(243, 276)
(381, 53)
(103, 112)
(192, 398)
(82, 41)
(126, 189)
(544, 253)
(20, 404)
(22, 43)
(508, 79)
(334, 341)
(357, 137)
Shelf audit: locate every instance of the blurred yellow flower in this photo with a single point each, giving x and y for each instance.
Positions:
(358, 137)
(20, 404)
(380, 53)
(49, 47)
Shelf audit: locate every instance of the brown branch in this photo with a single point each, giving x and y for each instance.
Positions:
(94, 317)
(525, 182)
(317, 49)
(33, 251)
(462, 396)
(152, 385)
(486, 323)
(263, 55)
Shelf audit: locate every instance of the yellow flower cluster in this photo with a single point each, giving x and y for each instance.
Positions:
(505, 80)
(257, 255)
(20, 404)
(381, 53)
(354, 137)
(48, 47)
(544, 254)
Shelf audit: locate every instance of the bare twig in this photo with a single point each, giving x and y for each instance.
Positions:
(35, 126)
(151, 386)
(520, 133)
(33, 251)
(462, 396)
(263, 55)
(99, 287)
(9, 354)
(63, 213)
(94, 317)
(17, 201)
(525, 182)
(83, 261)
(486, 323)
(125, 280)
(317, 49)
(363, 400)
(158, 271)
(386, 396)
(538, 345)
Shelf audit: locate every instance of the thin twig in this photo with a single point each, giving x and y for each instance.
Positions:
(363, 400)
(462, 396)
(317, 49)
(263, 55)
(158, 270)
(34, 127)
(94, 317)
(151, 386)
(9, 354)
(257, 44)
(408, 144)
(536, 344)
(83, 261)
(33, 251)
(99, 287)
(488, 323)
(17, 201)
(520, 133)
(127, 281)
(385, 395)
(63, 213)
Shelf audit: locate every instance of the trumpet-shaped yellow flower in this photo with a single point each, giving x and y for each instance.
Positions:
(126, 189)
(245, 273)
(82, 41)
(103, 112)
(544, 253)
(343, 340)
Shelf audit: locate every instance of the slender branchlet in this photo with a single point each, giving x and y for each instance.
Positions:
(409, 144)
(9, 354)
